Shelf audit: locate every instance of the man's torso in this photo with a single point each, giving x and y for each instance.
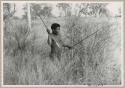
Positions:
(56, 44)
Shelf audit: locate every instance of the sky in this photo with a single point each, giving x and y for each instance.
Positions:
(112, 7)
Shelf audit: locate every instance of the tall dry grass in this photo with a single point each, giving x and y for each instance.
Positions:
(91, 62)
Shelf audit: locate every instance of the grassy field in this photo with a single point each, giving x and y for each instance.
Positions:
(95, 61)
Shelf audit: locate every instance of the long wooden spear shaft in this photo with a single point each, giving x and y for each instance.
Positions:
(85, 38)
(42, 21)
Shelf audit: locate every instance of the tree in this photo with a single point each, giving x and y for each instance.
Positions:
(46, 11)
(83, 9)
(98, 9)
(25, 12)
(7, 10)
(29, 15)
(41, 9)
(35, 8)
(94, 9)
(65, 7)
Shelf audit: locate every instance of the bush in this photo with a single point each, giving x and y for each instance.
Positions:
(91, 52)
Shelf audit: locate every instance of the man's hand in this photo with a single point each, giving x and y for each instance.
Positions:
(70, 47)
(48, 31)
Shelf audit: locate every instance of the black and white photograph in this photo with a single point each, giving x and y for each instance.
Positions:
(62, 43)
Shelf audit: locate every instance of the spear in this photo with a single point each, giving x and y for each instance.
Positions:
(85, 38)
(37, 13)
(42, 21)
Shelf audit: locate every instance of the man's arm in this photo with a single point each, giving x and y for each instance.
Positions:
(49, 38)
(65, 45)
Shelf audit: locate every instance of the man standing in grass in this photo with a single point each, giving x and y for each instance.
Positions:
(55, 42)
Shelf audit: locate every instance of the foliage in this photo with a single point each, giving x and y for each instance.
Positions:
(65, 7)
(7, 12)
(36, 9)
(96, 9)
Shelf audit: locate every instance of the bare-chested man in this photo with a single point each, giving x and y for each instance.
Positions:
(55, 42)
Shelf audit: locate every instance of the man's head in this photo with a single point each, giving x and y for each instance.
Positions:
(55, 28)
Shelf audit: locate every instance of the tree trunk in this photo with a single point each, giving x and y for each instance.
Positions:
(29, 15)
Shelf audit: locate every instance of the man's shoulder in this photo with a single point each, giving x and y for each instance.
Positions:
(51, 36)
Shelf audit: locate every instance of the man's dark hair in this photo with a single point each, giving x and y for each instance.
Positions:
(54, 26)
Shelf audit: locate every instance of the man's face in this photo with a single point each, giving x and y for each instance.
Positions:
(57, 31)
